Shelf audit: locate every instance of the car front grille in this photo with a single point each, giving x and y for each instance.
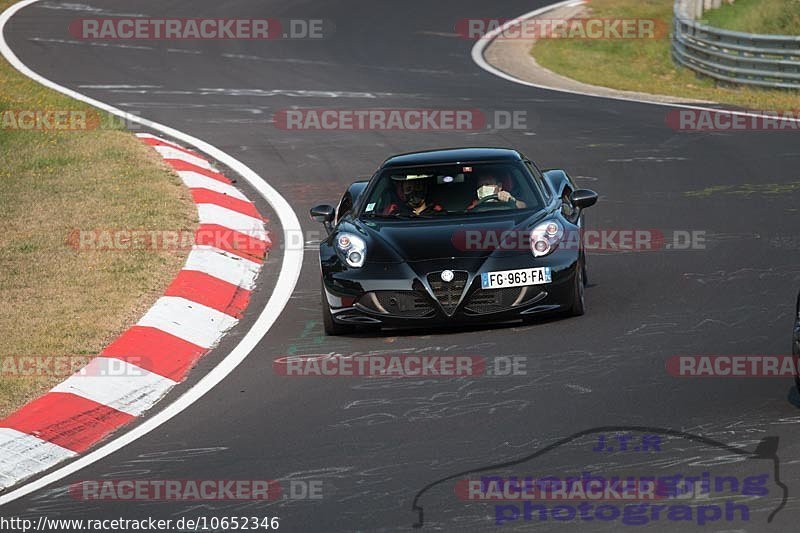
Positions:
(408, 304)
(448, 293)
(483, 302)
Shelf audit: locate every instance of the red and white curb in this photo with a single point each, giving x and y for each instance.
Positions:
(133, 373)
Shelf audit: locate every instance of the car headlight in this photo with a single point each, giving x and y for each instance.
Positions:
(545, 237)
(354, 249)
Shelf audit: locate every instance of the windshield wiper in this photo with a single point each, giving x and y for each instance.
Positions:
(397, 215)
(385, 215)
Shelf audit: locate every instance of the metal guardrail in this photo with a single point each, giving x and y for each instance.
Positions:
(732, 56)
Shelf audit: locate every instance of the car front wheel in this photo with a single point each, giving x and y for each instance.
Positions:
(578, 300)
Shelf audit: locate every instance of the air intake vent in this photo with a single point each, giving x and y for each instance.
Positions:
(448, 293)
(483, 302)
(410, 304)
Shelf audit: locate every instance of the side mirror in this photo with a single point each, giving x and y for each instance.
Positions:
(323, 213)
(583, 198)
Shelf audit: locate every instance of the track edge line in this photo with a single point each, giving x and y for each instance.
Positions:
(284, 286)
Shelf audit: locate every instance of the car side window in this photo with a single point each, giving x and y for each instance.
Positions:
(345, 205)
(380, 197)
(539, 179)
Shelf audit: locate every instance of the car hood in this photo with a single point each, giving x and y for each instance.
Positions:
(430, 239)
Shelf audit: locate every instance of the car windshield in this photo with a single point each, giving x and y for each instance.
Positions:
(457, 189)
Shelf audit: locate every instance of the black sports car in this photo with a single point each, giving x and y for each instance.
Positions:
(453, 236)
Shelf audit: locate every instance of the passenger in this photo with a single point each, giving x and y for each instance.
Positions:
(412, 193)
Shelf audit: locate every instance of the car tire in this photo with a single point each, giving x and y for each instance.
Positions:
(585, 274)
(578, 299)
(332, 328)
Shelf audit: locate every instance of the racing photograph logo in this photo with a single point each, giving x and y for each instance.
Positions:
(615, 476)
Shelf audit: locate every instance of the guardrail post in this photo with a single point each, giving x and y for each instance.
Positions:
(698, 9)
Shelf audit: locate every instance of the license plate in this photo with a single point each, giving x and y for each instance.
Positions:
(516, 278)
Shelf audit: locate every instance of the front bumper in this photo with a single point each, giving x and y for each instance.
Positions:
(412, 294)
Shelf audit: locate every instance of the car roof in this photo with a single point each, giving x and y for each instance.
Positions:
(453, 155)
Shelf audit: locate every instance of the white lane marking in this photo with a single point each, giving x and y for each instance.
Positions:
(120, 87)
(216, 214)
(300, 93)
(480, 47)
(650, 159)
(184, 51)
(74, 6)
(281, 60)
(167, 152)
(90, 43)
(227, 267)
(291, 93)
(282, 292)
(193, 180)
(22, 455)
(579, 388)
(191, 321)
(117, 384)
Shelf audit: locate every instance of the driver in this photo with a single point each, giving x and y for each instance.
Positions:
(490, 189)
(412, 192)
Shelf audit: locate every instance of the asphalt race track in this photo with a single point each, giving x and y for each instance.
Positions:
(375, 443)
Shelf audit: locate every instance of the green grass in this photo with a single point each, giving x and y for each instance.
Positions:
(779, 17)
(58, 301)
(645, 65)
